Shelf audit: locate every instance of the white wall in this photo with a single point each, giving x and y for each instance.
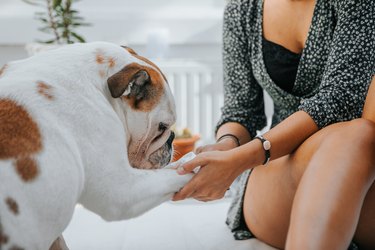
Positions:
(192, 27)
(189, 29)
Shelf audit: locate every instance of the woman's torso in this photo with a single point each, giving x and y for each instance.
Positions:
(313, 40)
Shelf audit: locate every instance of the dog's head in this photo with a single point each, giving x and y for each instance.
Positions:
(149, 111)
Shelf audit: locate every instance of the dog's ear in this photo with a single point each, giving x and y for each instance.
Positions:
(131, 51)
(129, 81)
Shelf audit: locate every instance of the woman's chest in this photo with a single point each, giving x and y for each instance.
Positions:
(314, 56)
(287, 22)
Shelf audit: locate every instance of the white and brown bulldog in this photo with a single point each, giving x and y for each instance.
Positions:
(81, 124)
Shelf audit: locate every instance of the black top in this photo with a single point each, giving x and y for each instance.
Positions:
(281, 64)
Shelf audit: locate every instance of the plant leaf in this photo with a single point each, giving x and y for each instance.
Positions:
(78, 37)
(60, 20)
(49, 41)
(56, 3)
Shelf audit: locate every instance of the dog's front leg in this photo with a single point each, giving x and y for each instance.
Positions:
(131, 193)
(155, 188)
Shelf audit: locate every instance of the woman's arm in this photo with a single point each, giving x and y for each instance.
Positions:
(219, 169)
(235, 129)
(243, 97)
(227, 143)
(243, 110)
(350, 65)
(284, 138)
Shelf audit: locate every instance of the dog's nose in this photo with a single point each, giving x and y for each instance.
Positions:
(171, 138)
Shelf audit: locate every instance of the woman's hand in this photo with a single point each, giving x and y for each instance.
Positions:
(218, 171)
(223, 145)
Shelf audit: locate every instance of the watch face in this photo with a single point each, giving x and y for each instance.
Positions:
(266, 145)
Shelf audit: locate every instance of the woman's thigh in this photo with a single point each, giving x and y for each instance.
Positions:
(270, 190)
(364, 234)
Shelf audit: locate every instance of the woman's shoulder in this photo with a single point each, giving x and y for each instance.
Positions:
(346, 5)
(242, 11)
(242, 5)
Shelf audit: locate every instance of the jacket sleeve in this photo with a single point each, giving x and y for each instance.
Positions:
(350, 65)
(243, 97)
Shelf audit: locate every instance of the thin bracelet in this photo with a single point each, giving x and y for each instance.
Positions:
(233, 137)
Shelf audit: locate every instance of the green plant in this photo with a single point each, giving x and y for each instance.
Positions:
(60, 20)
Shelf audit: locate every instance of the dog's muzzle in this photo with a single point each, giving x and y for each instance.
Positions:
(170, 140)
(163, 155)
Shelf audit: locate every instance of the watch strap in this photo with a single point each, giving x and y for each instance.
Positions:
(266, 145)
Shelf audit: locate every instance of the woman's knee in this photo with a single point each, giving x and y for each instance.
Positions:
(344, 138)
(355, 141)
(357, 133)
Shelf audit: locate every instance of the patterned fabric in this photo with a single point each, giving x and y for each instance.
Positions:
(333, 76)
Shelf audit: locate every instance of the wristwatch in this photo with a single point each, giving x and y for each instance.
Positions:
(266, 146)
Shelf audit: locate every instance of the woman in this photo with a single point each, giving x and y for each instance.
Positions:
(316, 60)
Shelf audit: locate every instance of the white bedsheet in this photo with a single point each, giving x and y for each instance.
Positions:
(186, 225)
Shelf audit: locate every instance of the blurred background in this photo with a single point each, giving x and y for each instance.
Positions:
(184, 38)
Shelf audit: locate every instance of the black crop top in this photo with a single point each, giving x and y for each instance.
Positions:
(281, 64)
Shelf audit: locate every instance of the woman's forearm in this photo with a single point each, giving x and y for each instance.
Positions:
(235, 129)
(284, 138)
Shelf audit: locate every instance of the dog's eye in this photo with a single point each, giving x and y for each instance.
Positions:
(163, 127)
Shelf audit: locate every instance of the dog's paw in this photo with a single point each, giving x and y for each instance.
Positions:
(176, 181)
(187, 157)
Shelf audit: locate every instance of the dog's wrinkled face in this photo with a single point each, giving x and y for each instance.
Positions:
(149, 111)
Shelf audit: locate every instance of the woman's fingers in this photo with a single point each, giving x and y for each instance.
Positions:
(185, 192)
(189, 166)
(199, 150)
(210, 147)
(223, 145)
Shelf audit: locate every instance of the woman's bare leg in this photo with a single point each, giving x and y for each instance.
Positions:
(334, 184)
(329, 198)
(332, 210)
(271, 190)
(369, 108)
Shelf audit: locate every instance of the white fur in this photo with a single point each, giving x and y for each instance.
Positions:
(86, 135)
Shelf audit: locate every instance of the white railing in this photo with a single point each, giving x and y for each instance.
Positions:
(198, 93)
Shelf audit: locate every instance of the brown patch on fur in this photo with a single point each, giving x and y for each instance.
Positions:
(153, 94)
(12, 205)
(27, 168)
(102, 73)
(3, 237)
(45, 90)
(151, 91)
(152, 64)
(131, 51)
(2, 70)
(99, 58)
(111, 62)
(19, 134)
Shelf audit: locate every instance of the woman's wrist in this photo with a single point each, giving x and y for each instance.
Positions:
(231, 137)
(228, 141)
(249, 155)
